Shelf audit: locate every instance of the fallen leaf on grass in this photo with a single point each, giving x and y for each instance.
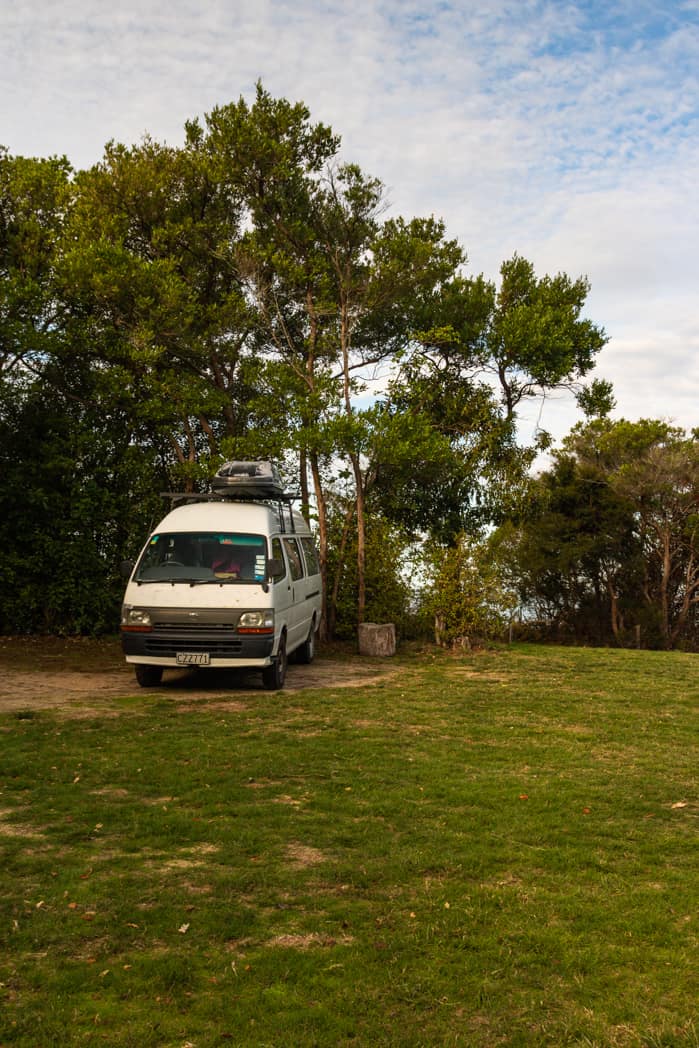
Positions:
(679, 804)
(183, 929)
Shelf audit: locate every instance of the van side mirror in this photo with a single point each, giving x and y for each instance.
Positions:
(275, 568)
(126, 568)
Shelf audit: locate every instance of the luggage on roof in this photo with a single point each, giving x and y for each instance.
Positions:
(258, 479)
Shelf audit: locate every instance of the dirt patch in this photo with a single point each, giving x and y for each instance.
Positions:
(305, 942)
(84, 678)
(303, 855)
(16, 829)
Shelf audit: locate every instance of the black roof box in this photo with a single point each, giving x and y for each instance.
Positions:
(258, 479)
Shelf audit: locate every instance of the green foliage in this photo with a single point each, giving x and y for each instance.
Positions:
(578, 558)
(35, 196)
(596, 400)
(528, 334)
(611, 544)
(537, 338)
(152, 268)
(75, 499)
(389, 593)
(470, 596)
(413, 477)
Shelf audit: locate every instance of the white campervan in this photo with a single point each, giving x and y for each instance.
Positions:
(230, 579)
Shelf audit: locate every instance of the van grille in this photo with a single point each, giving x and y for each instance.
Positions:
(169, 638)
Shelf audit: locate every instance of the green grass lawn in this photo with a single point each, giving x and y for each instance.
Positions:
(497, 849)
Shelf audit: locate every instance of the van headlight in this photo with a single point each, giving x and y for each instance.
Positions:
(135, 620)
(256, 622)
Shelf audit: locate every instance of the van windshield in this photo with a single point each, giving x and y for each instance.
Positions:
(203, 556)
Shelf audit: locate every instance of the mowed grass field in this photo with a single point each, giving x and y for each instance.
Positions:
(492, 849)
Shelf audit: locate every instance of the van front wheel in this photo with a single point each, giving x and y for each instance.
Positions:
(273, 676)
(148, 676)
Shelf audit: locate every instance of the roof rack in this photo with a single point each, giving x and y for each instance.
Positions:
(250, 481)
(287, 497)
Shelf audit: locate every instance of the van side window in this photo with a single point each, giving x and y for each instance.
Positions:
(294, 557)
(311, 555)
(277, 552)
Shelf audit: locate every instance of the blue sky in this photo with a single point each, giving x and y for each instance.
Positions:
(565, 131)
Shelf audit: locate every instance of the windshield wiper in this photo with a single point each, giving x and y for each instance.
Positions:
(167, 582)
(213, 582)
(227, 582)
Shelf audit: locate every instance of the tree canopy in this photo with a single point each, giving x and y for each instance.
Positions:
(611, 549)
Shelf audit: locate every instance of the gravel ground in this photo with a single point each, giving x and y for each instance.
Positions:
(40, 674)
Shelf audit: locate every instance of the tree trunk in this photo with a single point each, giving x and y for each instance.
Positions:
(614, 610)
(332, 602)
(322, 539)
(303, 479)
(345, 338)
(665, 589)
(361, 541)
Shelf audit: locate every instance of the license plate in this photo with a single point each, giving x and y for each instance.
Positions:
(192, 658)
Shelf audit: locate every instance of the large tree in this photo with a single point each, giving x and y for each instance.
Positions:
(578, 556)
(536, 339)
(152, 275)
(526, 336)
(615, 535)
(654, 467)
(480, 351)
(338, 288)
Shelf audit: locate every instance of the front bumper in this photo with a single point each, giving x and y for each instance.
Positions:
(225, 648)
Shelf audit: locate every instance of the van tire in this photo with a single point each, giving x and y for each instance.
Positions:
(273, 676)
(306, 653)
(148, 676)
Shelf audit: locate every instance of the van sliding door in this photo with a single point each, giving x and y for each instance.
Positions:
(300, 611)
